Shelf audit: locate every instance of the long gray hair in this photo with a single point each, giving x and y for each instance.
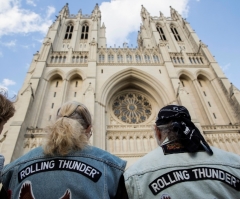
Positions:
(167, 131)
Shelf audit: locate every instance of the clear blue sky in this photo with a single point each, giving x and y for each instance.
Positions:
(23, 24)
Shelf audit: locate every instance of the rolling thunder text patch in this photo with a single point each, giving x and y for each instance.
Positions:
(194, 174)
(60, 164)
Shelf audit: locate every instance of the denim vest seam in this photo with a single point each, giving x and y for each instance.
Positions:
(13, 179)
(127, 184)
(138, 187)
(105, 184)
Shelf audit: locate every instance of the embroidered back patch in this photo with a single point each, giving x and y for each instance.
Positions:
(67, 195)
(200, 173)
(165, 196)
(26, 192)
(60, 164)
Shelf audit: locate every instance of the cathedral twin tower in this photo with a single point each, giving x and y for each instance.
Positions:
(124, 88)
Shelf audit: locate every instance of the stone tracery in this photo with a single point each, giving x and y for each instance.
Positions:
(132, 108)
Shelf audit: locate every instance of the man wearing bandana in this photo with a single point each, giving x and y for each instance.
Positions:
(184, 165)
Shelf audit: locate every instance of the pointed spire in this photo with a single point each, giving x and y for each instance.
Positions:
(144, 13)
(171, 11)
(64, 11)
(174, 14)
(144, 9)
(96, 7)
(103, 25)
(66, 5)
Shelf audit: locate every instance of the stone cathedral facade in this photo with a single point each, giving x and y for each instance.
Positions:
(123, 87)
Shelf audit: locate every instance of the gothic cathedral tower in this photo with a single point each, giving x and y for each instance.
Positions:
(124, 88)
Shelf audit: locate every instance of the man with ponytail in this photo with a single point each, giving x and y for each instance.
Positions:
(66, 166)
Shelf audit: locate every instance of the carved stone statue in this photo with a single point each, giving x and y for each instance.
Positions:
(93, 42)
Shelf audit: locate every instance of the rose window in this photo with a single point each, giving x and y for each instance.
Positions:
(132, 108)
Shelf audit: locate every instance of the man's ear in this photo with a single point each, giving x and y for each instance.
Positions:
(88, 129)
(158, 133)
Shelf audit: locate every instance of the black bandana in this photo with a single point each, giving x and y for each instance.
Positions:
(188, 133)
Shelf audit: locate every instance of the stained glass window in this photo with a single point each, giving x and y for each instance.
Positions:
(132, 108)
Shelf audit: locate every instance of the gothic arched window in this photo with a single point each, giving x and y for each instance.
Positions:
(81, 59)
(161, 33)
(190, 59)
(69, 31)
(129, 58)
(147, 58)
(60, 59)
(156, 59)
(182, 60)
(52, 58)
(85, 30)
(77, 59)
(73, 59)
(64, 59)
(110, 58)
(85, 59)
(101, 58)
(120, 58)
(175, 33)
(138, 58)
(56, 59)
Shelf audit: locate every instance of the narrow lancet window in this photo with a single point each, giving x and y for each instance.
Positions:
(85, 30)
(110, 58)
(156, 59)
(101, 58)
(52, 58)
(175, 33)
(85, 59)
(120, 58)
(56, 59)
(64, 59)
(147, 58)
(161, 33)
(60, 59)
(129, 58)
(138, 58)
(69, 31)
